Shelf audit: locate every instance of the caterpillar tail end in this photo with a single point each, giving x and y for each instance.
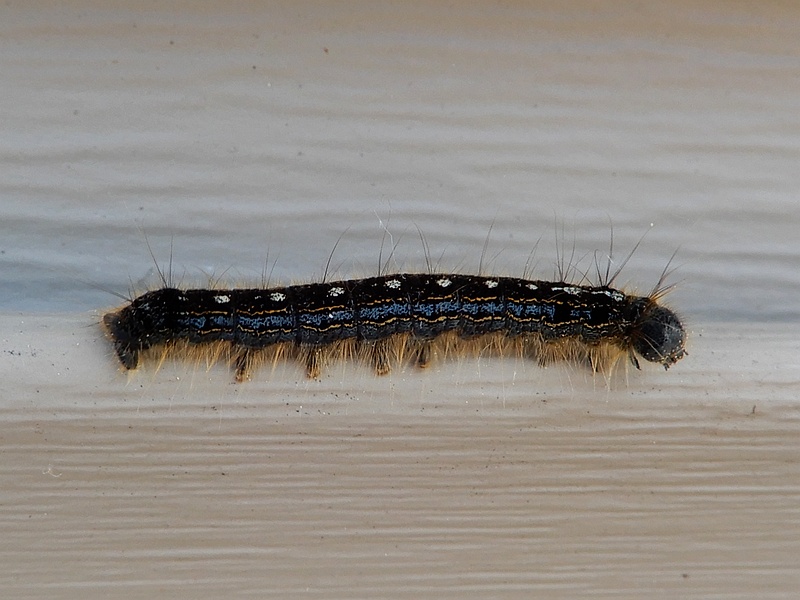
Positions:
(127, 353)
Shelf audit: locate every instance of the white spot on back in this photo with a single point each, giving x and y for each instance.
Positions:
(574, 291)
(393, 284)
(532, 286)
(277, 297)
(491, 283)
(443, 282)
(613, 294)
(222, 299)
(335, 291)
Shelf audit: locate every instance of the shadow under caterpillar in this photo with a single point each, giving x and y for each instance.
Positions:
(389, 319)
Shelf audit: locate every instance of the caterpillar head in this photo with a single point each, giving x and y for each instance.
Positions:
(658, 334)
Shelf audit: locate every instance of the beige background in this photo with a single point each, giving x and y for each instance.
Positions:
(260, 134)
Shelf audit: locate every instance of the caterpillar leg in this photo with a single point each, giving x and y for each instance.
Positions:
(424, 350)
(315, 360)
(243, 365)
(381, 353)
(606, 357)
(535, 348)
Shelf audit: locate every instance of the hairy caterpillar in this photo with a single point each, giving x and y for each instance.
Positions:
(387, 319)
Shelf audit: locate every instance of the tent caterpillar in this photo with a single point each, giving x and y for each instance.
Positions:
(387, 318)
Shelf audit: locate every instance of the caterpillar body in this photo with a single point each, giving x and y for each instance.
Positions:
(388, 318)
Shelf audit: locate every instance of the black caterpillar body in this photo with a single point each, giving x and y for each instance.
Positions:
(388, 317)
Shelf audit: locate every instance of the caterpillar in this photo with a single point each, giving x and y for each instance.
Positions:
(389, 319)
